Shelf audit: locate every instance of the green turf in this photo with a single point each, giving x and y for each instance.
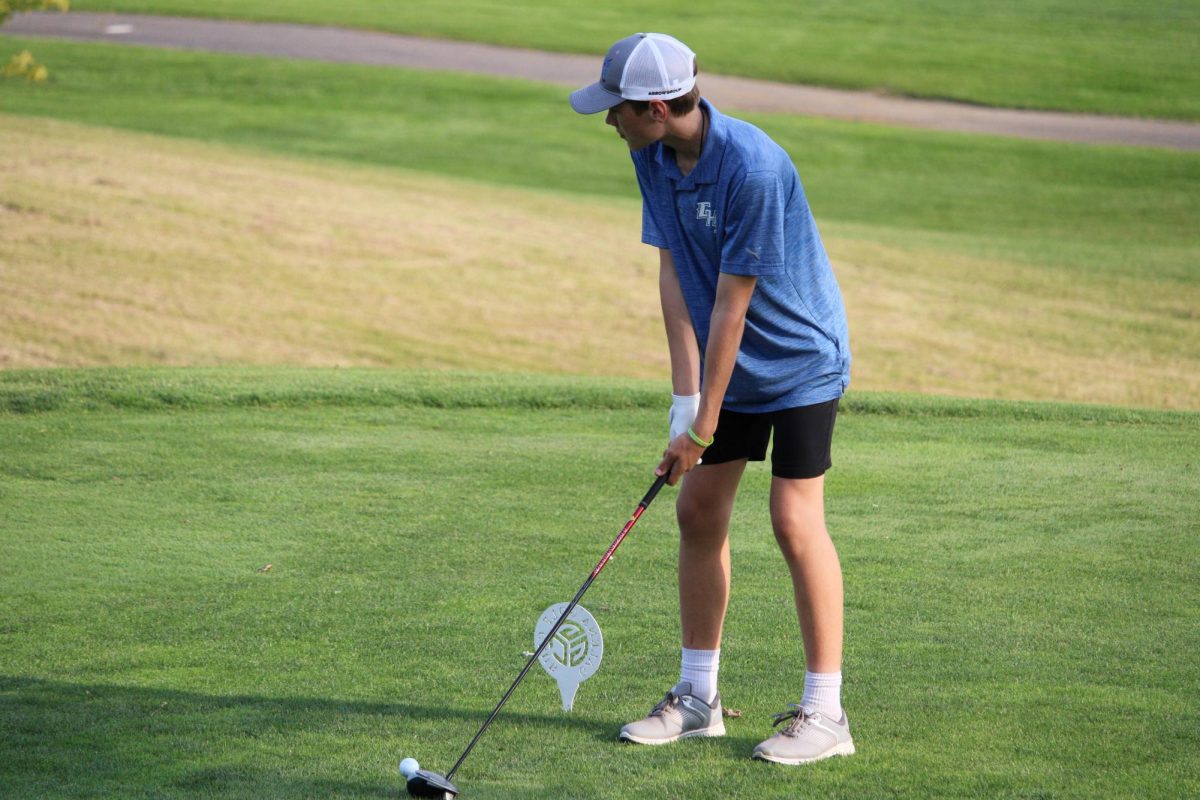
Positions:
(1021, 603)
(1097, 209)
(1115, 56)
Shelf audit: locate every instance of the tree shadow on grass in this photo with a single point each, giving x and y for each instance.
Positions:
(62, 739)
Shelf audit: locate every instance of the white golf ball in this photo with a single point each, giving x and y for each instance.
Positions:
(409, 767)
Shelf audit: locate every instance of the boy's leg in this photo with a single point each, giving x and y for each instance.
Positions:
(818, 727)
(799, 461)
(798, 518)
(704, 508)
(693, 706)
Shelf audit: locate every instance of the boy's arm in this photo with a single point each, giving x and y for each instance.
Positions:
(681, 336)
(724, 340)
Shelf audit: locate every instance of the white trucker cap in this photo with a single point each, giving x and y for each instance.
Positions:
(645, 66)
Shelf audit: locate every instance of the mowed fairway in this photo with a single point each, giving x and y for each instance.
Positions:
(1020, 582)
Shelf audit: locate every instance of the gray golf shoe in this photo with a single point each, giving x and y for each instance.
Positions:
(806, 738)
(680, 715)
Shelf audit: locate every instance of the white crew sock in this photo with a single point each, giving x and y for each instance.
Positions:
(823, 694)
(700, 670)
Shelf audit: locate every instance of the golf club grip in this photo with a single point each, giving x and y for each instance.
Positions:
(660, 482)
(650, 495)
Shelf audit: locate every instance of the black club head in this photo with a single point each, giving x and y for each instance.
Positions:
(424, 783)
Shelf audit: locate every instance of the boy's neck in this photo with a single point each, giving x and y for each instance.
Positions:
(686, 135)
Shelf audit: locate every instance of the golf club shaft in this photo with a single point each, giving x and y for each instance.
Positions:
(654, 489)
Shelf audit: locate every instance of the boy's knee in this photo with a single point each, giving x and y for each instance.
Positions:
(699, 516)
(687, 512)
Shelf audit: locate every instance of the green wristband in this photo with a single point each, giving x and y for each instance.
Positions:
(698, 440)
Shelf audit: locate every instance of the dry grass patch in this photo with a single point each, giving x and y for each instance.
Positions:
(125, 249)
(928, 321)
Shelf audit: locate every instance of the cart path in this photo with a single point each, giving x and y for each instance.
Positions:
(367, 47)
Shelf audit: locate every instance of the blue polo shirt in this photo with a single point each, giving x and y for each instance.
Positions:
(742, 210)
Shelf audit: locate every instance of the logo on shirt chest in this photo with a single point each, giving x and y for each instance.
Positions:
(704, 211)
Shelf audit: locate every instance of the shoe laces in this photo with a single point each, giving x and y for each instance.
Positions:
(668, 702)
(796, 717)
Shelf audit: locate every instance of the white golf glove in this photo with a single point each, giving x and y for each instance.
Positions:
(684, 408)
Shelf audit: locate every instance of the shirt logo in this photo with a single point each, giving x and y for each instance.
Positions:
(704, 212)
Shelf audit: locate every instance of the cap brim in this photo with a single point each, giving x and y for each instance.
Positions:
(594, 99)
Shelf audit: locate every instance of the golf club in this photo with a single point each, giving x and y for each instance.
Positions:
(424, 783)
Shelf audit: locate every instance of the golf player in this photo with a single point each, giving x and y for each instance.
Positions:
(757, 336)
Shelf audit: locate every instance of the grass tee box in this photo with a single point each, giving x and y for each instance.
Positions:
(1108, 56)
(1020, 581)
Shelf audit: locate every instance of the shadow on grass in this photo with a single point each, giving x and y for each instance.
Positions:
(61, 739)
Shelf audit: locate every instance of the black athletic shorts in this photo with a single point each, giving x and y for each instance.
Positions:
(803, 438)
